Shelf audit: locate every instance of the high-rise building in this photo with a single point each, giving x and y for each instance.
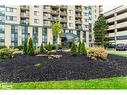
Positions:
(19, 22)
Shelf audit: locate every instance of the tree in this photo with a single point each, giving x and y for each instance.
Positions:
(83, 49)
(79, 47)
(100, 29)
(73, 49)
(42, 49)
(25, 47)
(56, 30)
(31, 47)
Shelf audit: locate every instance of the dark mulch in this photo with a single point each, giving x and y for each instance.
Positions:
(21, 68)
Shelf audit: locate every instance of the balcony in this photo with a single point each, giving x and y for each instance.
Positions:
(25, 15)
(26, 22)
(24, 7)
(78, 22)
(54, 12)
(54, 19)
(63, 13)
(46, 24)
(64, 25)
(78, 27)
(78, 15)
(55, 6)
(78, 9)
(63, 7)
(46, 17)
(46, 10)
(63, 20)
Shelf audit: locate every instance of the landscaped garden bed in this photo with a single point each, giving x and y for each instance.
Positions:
(24, 68)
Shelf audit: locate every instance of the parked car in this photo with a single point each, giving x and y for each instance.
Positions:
(126, 47)
(121, 47)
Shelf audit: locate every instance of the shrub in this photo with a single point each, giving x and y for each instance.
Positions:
(19, 47)
(25, 47)
(31, 47)
(59, 46)
(38, 65)
(79, 47)
(82, 48)
(51, 52)
(42, 49)
(48, 47)
(6, 53)
(37, 51)
(97, 53)
(73, 49)
(2, 47)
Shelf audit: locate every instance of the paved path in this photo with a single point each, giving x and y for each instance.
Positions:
(116, 52)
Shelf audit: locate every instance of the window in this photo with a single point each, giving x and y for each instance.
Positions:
(86, 26)
(86, 20)
(70, 24)
(86, 8)
(14, 35)
(36, 6)
(86, 14)
(70, 17)
(45, 14)
(70, 11)
(45, 6)
(44, 36)
(9, 9)
(11, 18)
(36, 13)
(2, 19)
(36, 20)
(45, 22)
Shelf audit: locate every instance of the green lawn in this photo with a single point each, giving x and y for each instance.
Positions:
(124, 55)
(106, 83)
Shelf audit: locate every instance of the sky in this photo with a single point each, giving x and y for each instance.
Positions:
(108, 7)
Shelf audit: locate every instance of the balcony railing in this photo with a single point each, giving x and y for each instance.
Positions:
(78, 22)
(54, 12)
(24, 7)
(63, 7)
(24, 22)
(78, 9)
(63, 20)
(54, 19)
(78, 15)
(63, 13)
(24, 14)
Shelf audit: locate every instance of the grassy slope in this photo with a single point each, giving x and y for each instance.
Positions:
(106, 83)
(124, 55)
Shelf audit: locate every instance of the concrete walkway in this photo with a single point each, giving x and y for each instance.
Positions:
(116, 52)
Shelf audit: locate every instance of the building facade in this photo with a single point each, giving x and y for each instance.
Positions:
(117, 20)
(19, 22)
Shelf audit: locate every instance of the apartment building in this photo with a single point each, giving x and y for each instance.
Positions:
(20, 22)
(117, 20)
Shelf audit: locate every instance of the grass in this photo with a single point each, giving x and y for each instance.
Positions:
(106, 83)
(123, 55)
